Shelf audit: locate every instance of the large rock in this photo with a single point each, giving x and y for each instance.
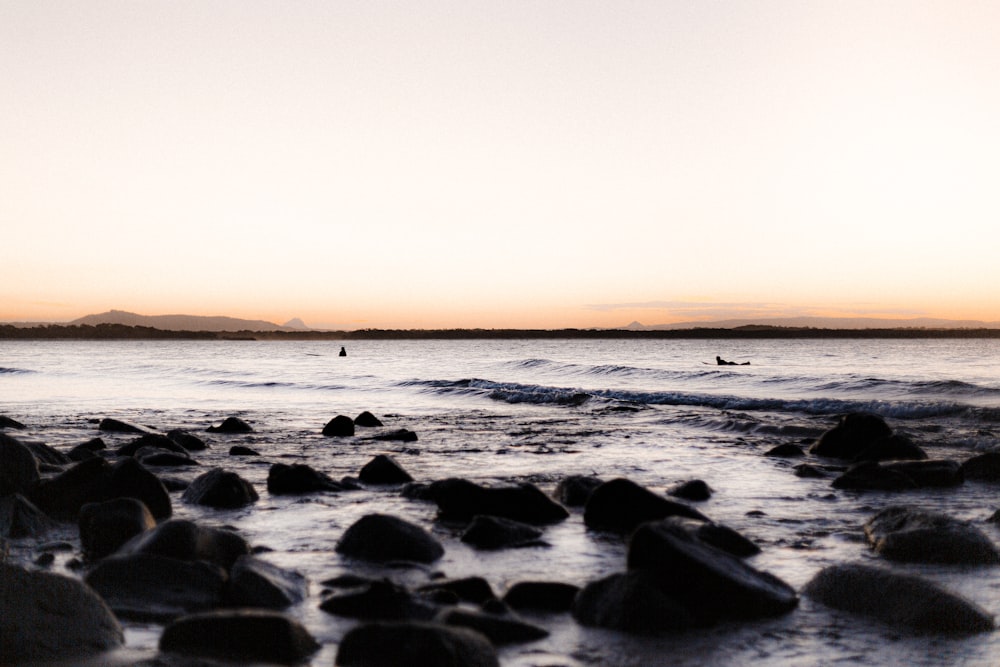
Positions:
(414, 643)
(897, 599)
(46, 455)
(130, 479)
(900, 475)
(630, 602)
(461, 500)
(340, 426)
(983, 467)
(156, 440)
(188, 441)
(185, 540)
(50, 617)
(112, 425)
(222, 489)
(575, 490)
(551, 596)
(890, 448)
(18, 467)
(231, 425)
(383, 469)
(712, 584)
(380, 538)
(284, 479)
(367, 420)
(380, 600)
(256, 583)
(851, 436)
(695, 489)
(243, 635)
(20, 518)
(106, 526)
(10, 422)
(912, 535)
(500, 629)
(620, 505)
(493, 532)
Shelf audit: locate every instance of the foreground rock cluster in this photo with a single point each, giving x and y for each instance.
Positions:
(218, 598)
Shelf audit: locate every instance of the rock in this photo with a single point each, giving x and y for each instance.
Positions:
(575, 490)
(87, 450)
(244, 635)
(112, 425)
(383, 469)
(151, 587)
(716, 535)
(694, 489)
(154, 440)
(541, 596)
(475, 590)
(62, 496)
(499, 629)
(47, 456)
(339, 427)
(710, 583)
(106, 526)
(185, 540)
(156, 457)
(631, 602)
(461, 500)
(382, 600)
(188, 441)
(8, 422)
(298, 478)
(380, 538)
(20, 518)
(240, 450)
(18, 467)
(256, 583)
(492, 532)
(912, 535)
(930, 473)
(809, 471)
(51, 617)
(982, 468)
(852, 435)
(412, 643)
(231, 425)
(620, 505)
(871, 476)
(130, 479)
(401, 434)
(367, 420)
(785, 451)
(897, 599)
(220, 488)
(889, 448)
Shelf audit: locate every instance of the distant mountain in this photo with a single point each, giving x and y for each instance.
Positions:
(824, 323)
(296, 323)
(180, 322)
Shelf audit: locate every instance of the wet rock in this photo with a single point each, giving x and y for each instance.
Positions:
(220, 488)
(367, 420)
(575, 490)
(492, 532)
(499, 629)
(541, 596)
(20, 518)
(893, 447)
(694, 489)
(852, 435)
(87, 450)
(912, 535)
(232, 425)
(413, 643)
(9, 422)
(785, 451)
(156, 457)
(620, 505)
(897, 599)
(630, 602)
(930, 473)
(283, 479)
(809, 471)
(716, 535)
(240, 450)
(983, 468)
(380, 537)
(257, 583)
(185, 540)
(111, 425)
(241, 635)
(107, 525)
(51, 617)
(18, 467)
(155, 440)
(401, 434)
(130, 479)
(381, 600)
(62, 496)
(712, 584)
(461, 500)
(383, 469)
(188, 441)
(47, 456)
(151, 587)
(340, 426)
(469, 589)
(871, 476)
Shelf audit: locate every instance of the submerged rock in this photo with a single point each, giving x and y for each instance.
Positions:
(852, 435)
(113, 425)
(367, 420)
(220, 488)
(499, 629)
(620, 505)
(900, 475)
(380, 537)
(468, 589)
(694, 489)
(188, 441)
(461, 500)
(257, 583)
(413, 643)
(243, 635)
(912, 535)
(231, 425)
(383, 469)
(630, 602)
(284, 479)
(106, 526)
(186, 540)
(575, 490)
(381, 600)
(897, 599)
(492, 532)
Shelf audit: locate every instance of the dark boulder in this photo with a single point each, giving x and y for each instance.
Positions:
(412, 643)
(47, 456)
(231, 425)
(340, 426)
(155, 457)
(897, 599)
(367, 420)
(575, 490)
(188, 441)
(48, 617)
(892, 448)
(982, 468)
(240, 635)
(150, 587)
(871, 476)
(400, 434)
(499, 629)
(694, 489)
(492, 532)
(257, 583)
(18, 467)
(475, 590)
(930, 473)
(240, 450)
(381, 600)
(809, 471)
(461, 500)
(630, 602)
(785, 451)
(383, 469)
(111, 425)
(550, 596)
(20, 518)
(912, 535)
(107, 525)
(9, 422)
(87, 450)
(852, 435)
(284, 479)
(716, 535)
(155, 440)
(185, 540)
(62, 496)
(620, 505)
(380, 538)
(220, 488)
(128, 478)
(712, 584)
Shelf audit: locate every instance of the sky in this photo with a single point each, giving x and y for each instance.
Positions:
(538, 164)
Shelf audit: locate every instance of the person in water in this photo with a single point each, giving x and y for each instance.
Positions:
(722, 362)
(343, 352)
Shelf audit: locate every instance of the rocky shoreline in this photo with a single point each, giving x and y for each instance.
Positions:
(216, 597)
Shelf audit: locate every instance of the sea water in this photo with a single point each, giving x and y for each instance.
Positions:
(501, 411)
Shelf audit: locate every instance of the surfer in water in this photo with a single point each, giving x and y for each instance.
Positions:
(722, 362)
(343, 352)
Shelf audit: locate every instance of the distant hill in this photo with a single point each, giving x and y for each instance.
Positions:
(296, 323)
(181, 322)
(824, 323)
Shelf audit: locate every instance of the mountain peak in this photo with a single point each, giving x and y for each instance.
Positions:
(295, 323)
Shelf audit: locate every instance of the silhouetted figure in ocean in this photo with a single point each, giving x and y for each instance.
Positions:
(722, 362)
(343, 352)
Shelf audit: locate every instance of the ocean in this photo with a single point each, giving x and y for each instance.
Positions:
(658, 412)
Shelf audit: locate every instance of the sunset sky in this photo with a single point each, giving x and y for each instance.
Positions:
(499, 164)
